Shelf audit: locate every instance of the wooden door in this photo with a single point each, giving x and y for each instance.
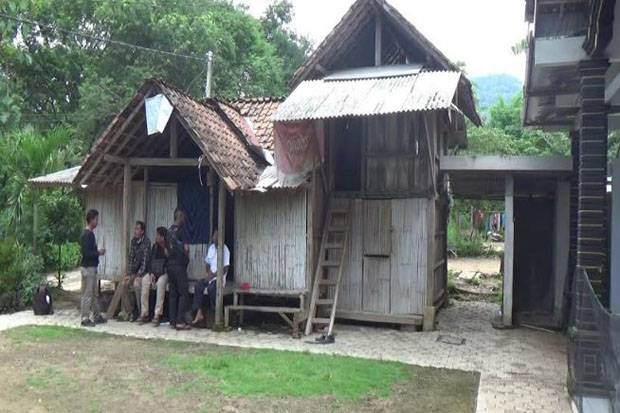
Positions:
(376, 293)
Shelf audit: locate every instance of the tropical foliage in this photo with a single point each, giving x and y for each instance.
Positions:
(67, 67)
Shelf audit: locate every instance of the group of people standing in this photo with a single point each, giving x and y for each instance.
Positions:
(151, 268)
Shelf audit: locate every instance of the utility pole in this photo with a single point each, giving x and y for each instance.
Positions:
(209, 74)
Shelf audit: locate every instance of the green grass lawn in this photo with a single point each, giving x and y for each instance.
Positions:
(61, 369)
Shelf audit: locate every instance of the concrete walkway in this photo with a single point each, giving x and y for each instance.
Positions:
(521, 370)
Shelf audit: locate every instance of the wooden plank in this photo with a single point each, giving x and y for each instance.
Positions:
(158, 162)
(265, 309)
(378, 40)
(377, 227)
(125, 220)
(174, 137)
(351, 287)
(413, 319)
(113, 139)
(145, 205)
(221, 225)
(430, 261)
(508, 252)
(376, 288)
(277, 293)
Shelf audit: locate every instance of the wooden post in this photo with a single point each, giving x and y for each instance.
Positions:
(211, 184)
(120, 287)
(126, 208)
(145, 204)
(378, 40)
(174, 138)
(35, 218)
(221, 231)
(509, 235)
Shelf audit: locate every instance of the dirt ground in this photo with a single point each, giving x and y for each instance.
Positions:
(68, 370)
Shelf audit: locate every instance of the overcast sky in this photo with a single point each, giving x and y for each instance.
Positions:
(478, 32)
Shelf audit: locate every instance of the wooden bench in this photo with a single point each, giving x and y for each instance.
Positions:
(298, 314)
(228, 290)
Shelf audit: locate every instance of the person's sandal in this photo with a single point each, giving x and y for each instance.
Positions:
(156, 321)
(183, 327)
(143, 320)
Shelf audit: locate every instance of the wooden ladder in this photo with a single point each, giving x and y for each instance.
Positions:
(326, 286)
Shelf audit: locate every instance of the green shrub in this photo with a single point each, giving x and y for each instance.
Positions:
(20, 272)
(69, 256)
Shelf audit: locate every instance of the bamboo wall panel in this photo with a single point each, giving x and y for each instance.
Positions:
(408, 268)
(377, 227)
(350, 294)
(270, 240)
(109, 204)
(162, 201)
(376, 290)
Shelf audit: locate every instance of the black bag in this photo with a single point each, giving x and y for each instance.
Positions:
(42, 301)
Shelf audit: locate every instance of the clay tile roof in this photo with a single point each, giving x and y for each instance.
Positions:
(217, 129)
(260, 111)
(219, 137)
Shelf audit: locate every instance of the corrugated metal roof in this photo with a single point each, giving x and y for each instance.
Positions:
(375, 72)
(60, 178)
(320, 99)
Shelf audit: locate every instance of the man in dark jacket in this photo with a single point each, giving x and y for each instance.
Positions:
(89, 264)
(137, 266)
(178, 259)
(156, 279)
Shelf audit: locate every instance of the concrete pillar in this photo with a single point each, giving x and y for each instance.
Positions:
(509, 240)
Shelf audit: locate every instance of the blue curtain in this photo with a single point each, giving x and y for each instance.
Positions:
(194, 200)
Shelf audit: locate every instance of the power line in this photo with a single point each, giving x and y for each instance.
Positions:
(100, 39)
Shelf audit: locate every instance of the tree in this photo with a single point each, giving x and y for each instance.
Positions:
(504, 134)
(70, 66)
(291, 47)
(61, 212)
(25, 154)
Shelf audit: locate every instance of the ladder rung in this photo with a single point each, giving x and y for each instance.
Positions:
(330, 263)
(327, 282)
(334, 246)
(318, 320)
(325, 301)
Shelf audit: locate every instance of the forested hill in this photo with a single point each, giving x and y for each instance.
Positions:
(490, 88)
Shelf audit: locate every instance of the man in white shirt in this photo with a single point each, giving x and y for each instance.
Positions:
(210, 282)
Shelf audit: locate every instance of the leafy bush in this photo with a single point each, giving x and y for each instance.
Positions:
(20, 272)
(62, 216)
(69, 256)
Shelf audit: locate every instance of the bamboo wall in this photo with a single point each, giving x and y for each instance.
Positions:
(270, 240)
(162, 200)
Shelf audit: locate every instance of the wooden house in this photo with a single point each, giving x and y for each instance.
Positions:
(361, 232)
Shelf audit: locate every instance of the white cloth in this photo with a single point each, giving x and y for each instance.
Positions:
(211, 260)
